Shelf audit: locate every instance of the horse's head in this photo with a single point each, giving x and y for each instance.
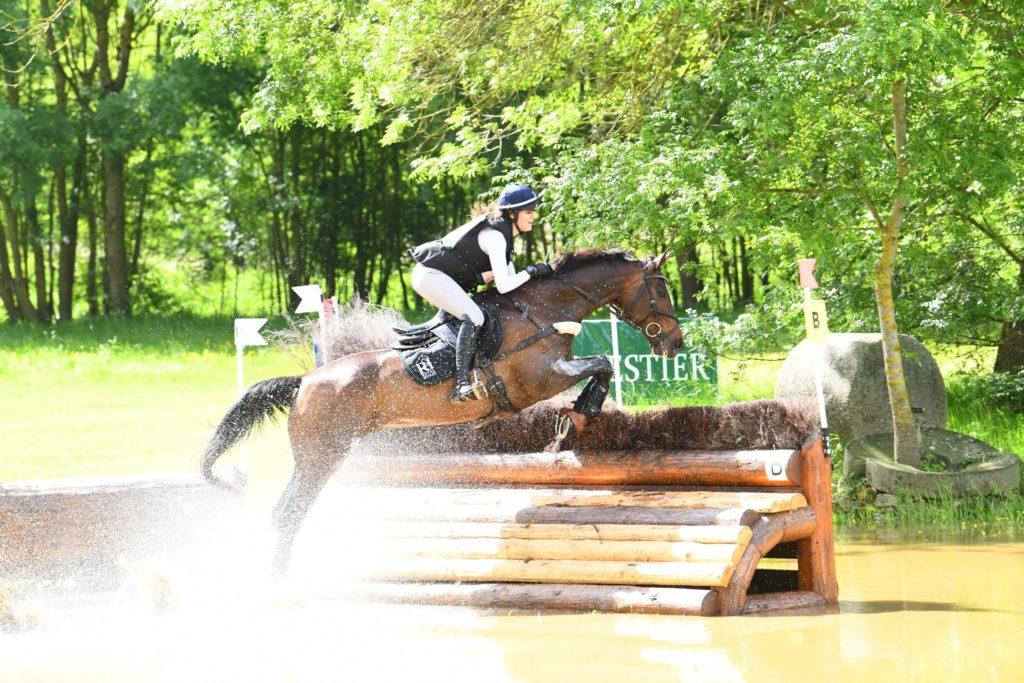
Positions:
(644, 301)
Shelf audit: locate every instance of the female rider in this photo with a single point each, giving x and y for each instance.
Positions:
(476, 253)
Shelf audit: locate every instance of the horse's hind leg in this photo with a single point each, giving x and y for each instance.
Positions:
(314, 465)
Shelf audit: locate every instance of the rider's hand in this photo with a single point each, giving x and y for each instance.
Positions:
(488, 276)
(539, 269)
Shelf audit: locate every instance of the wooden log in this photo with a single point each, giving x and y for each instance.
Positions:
(548, 596)
(547, 571)
(816, 553)
(777, 602)
(554, 549)
(556, 515)
(767, 532)
(570, 468)
(83, 527)
(580, 532)
(760, 502)
(509, 499)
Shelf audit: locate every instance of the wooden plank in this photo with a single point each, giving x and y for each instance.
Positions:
(764, 502)
(548, 596)
(546, 571)
(660, 467)
(579, 532)
(816, 553)
(553, 549)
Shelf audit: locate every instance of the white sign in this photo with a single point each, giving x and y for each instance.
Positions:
(247, 332)
(309, 298)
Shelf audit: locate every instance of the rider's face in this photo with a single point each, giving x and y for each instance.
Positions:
(524, 221)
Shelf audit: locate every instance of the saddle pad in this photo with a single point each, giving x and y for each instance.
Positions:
(433, 362)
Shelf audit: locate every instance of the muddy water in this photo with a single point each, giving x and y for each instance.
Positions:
(908, 612)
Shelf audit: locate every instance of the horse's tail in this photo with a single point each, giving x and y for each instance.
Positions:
(260, 402)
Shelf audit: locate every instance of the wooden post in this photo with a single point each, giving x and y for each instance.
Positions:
(816, 554)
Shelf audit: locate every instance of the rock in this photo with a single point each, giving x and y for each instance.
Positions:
(856, 396)
(885, 500)
(973, 466)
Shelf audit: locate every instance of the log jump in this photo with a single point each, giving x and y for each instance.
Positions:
(655, 530)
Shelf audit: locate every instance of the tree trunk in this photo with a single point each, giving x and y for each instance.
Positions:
(7, 281)
(35, 238)
(1010, 354)
(140, 217)
(906, 439)
(113, 232)
(746, 276)
(19, 261)
(90, 272)
(686, 262)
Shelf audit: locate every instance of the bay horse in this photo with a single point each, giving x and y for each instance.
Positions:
(362, 393)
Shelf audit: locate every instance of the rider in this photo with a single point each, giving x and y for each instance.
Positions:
(476, 253)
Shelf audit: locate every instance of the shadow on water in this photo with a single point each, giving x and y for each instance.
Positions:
(888, 606)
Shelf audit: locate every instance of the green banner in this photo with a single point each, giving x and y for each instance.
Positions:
(644, 374)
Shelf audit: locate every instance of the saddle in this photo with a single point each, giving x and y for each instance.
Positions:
(427, 350)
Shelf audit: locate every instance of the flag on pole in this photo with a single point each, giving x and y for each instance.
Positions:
(309, 298)
(807, 280)
(247, 332)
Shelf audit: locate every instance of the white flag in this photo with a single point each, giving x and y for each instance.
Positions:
(247, 332)
(309, 296)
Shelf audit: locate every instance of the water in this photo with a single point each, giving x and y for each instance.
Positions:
(908, 612)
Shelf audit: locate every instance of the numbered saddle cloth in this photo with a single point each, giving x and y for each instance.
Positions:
(428, 350)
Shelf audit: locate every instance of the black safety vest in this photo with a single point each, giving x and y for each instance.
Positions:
(458, 254)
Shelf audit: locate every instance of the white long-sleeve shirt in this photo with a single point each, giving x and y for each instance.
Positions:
(493, 244)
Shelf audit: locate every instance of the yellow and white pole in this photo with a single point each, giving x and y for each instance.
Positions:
(816, 324)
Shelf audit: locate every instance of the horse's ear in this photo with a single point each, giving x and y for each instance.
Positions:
(659, 261)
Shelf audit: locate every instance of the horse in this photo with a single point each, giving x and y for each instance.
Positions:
(366, 392)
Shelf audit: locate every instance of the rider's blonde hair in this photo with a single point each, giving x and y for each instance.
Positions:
(486, 210)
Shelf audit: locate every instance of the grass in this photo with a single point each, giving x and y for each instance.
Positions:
(124, 396)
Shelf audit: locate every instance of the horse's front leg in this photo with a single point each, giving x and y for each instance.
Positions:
(599, 370)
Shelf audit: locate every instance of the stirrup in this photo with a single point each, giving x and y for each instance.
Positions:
(477, 389)
(463, 393)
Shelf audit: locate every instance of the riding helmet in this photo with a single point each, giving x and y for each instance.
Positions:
(518, 196)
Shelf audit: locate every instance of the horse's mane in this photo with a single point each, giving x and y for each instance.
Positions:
(570, 260)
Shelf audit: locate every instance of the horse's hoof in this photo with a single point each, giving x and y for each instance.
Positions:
(579, 420)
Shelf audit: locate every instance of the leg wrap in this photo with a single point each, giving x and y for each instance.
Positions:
(592, 397)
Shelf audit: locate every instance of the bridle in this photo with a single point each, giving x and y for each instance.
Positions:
(657, 333)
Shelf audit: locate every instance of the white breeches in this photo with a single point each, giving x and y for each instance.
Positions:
(443, 292)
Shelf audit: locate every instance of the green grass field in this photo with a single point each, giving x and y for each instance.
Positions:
(116, 396)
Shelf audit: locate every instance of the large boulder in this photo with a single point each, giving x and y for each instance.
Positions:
(856, 396)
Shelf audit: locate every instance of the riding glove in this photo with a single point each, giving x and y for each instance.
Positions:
(539, 270)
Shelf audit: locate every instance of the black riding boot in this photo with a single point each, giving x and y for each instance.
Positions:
(465, 348)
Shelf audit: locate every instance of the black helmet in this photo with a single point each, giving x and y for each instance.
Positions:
(518, 196)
